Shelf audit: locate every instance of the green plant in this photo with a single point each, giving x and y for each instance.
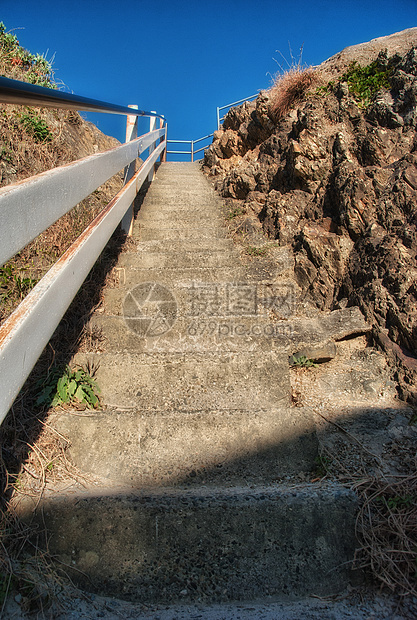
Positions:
(325, 89)
(396, 502)
(13, 284)
(252, 250)
(302, 362)
(4, 586)
(36, 126)
(33, 68)
(8, 41)
(6, 155)
(69, 386)
(235, 212)
(365, 82)
(322, 465)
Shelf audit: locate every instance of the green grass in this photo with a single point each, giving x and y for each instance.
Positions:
(36, 127)
(14, 284)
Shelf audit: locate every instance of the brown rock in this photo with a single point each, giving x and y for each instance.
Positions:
(338, 182)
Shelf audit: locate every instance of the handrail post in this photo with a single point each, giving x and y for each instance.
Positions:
(218, 118)
(152, 125)
(163, 157)
(131, 134)
(192, 150)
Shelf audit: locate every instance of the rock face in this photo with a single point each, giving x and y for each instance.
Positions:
(336, 178)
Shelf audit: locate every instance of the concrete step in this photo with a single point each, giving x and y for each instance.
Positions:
(173, 277)
(192, 292)
(187, 187)
(166, 225)
(175, 199)
(192, 381)
(203, 545)
(183, 186)
(187, 245)
(149, 234)
(188, 334)
(313, 338)
(172, 191)
(221, 447)
(185, 259)
(174, 215)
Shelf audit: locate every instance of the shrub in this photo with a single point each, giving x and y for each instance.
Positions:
(365, 82)
(290, 89)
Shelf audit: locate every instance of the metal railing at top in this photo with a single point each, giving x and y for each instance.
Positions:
(192, 152)
(13, 91)
(230, 105)
(29, 207)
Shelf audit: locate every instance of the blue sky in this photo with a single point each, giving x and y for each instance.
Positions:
(182, 58)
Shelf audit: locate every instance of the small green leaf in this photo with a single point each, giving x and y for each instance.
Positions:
(72, 386)
(62, 388)
(80, 394)
(56, 400)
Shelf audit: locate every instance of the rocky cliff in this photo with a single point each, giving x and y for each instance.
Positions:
(334, 177)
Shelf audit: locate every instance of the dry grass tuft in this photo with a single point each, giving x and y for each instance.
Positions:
(290, 89)
(387, 529)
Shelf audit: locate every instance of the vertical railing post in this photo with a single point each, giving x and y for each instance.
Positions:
(163, 156)
(152, 125)
(131, 134)
(218, 118)
(192, 150)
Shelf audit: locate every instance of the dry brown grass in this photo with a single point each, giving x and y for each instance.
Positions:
(25, 567)
(31, 264)
(290, 89)
(24, 154)
(387, 530)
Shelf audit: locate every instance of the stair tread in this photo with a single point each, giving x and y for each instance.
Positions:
(233, 544)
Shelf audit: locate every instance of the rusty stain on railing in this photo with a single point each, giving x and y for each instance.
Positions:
(26, 332)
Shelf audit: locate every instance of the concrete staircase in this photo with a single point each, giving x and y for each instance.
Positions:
(194, 466)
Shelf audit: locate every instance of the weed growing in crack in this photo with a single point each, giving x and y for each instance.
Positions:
(252, 250)
(69, 387)
(235, 212)
(322, 465)
(302, 362)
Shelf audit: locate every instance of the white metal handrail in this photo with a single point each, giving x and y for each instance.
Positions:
(230, 105)
(192, 152)
(55, 192)
(29, 207)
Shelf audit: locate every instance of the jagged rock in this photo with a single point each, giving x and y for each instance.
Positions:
(337, 180)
